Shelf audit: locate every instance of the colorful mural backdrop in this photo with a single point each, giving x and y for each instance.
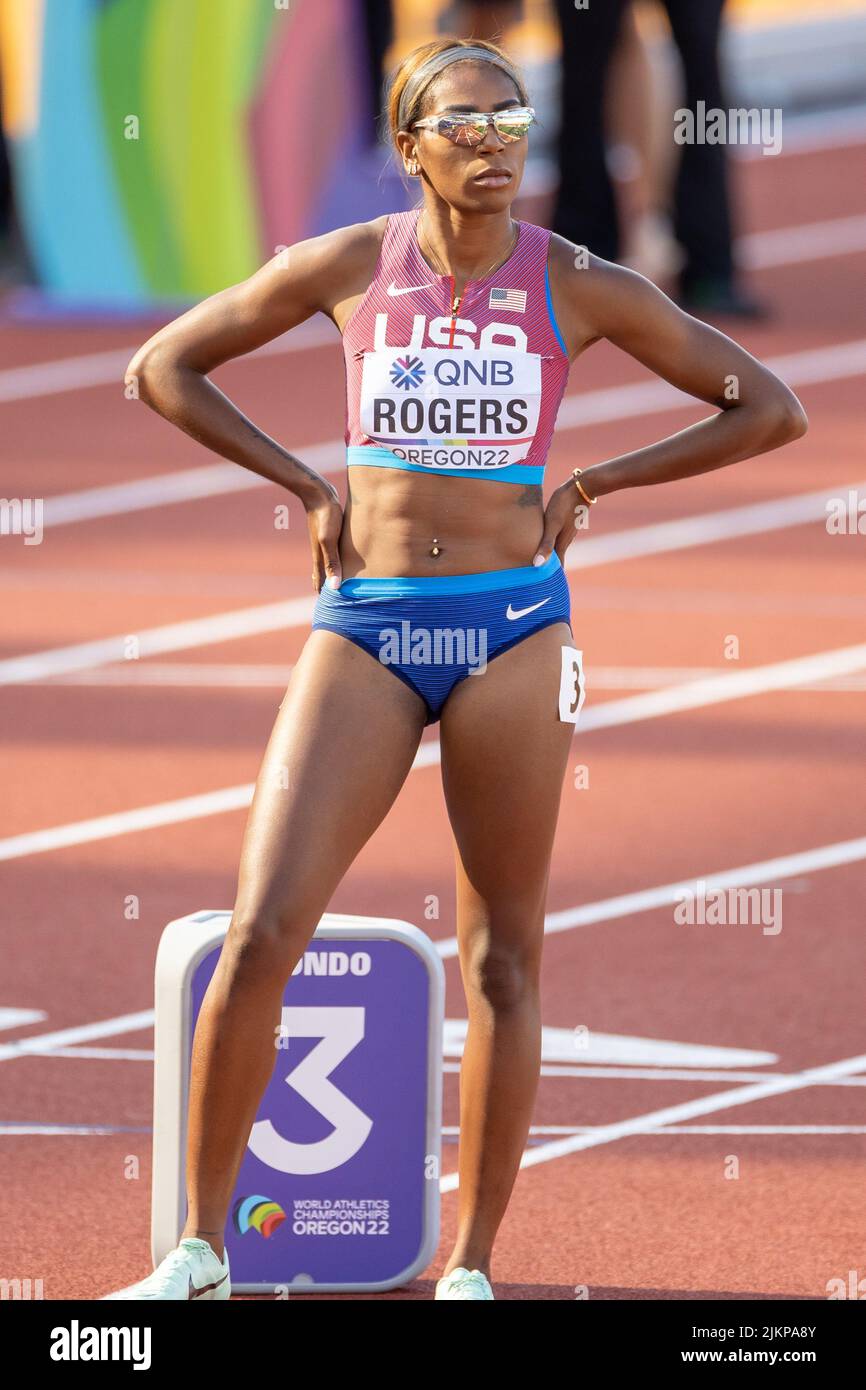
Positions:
(162, 149)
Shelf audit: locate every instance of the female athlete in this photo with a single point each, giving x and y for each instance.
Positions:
(459, 325)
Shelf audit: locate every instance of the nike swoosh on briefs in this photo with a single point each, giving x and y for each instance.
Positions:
(522, 612)
(406, 289)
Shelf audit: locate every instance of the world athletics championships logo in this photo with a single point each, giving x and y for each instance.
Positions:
(407, 372)
(259, 1213)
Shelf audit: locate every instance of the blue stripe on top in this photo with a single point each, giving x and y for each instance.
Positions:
(373, 456)
(422, 585)
(551, 315)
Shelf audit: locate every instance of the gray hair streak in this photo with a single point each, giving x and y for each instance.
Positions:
(423, 75)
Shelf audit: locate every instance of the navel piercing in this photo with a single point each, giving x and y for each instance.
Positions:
(435, 550)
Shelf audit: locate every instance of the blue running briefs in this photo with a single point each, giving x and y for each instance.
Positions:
(434, 631)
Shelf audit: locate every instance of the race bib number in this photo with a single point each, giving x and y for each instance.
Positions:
(473, 409)
(572, 691)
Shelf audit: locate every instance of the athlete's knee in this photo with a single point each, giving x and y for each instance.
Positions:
(504, 974)
(265, 941)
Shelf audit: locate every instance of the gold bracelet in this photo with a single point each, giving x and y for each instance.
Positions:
(575, 473)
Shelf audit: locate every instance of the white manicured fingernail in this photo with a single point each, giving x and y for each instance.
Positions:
(539, 560)
(334, 582)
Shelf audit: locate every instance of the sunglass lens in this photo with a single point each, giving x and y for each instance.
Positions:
(463, 130)
(513, 125)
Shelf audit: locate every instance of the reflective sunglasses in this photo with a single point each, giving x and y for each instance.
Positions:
(470, 127)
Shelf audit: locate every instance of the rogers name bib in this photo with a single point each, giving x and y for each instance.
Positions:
(476, 408)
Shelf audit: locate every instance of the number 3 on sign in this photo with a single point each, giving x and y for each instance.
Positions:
(572, 692)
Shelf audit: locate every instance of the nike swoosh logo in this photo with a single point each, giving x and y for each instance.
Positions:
(522, 612)
(392, 289)
(197, 1293)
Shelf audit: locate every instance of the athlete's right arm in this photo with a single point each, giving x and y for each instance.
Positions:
(169, 371)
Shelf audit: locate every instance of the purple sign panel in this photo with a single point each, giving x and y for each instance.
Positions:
(339, 1184)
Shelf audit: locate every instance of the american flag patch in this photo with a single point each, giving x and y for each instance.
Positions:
(515, 300)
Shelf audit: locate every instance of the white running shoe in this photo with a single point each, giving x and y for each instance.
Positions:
(464, 1283)
(192, 1270)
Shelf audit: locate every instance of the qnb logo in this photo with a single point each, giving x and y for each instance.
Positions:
(77, 1343)
(407, 372)
(334, 963)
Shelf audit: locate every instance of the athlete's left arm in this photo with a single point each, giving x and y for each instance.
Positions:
(756, 412)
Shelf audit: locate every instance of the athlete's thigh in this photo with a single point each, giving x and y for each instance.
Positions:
(342, 745)
(504, 753)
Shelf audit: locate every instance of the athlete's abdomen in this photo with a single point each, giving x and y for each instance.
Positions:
(391, 518)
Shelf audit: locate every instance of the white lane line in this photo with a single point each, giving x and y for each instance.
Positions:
(674, 1114)
(244, 676)
(839, 236)
(186, 808)
(784, 866)
(649, 677)
(86, 1032)
(694, 1129)
(603, 406)
(452, 1131)
(64, 374)
(112, 1054)
(754, 1129)
(11, 1129)
(732, 523)
(216, 675)
(20, 1018)
(671, 1074)
(593, 1048)
(107, 368)
(185, 485)
(734, 685)
(173, 637)
(561, 1072)
(127, 822)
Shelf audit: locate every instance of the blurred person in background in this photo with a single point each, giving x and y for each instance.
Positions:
(13, 259)
(641, 158)
(378, 31)
(585, 210)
